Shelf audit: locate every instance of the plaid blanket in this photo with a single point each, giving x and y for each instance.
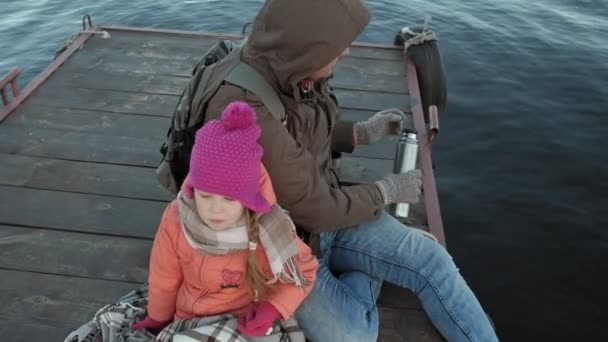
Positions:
(112, 323)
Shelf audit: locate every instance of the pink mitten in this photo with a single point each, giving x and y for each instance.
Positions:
(151, 325)
(258, 320)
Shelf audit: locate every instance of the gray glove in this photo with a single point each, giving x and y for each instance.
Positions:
(401, 188)
(378, 126)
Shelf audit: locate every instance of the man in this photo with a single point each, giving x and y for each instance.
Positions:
(295, 45)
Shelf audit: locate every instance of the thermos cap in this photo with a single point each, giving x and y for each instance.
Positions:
(409, 135)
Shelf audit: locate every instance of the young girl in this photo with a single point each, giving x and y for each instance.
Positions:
(224, 246)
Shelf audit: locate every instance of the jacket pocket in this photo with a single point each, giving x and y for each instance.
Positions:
(197, 300)
(188, 298)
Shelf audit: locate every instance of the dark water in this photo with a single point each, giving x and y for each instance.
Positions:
(522, 173)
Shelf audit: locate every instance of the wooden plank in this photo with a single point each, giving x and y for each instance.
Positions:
(112, 61)
(141, 53)
(358, 104)
(164, 105)
(18, 331)
(371, 75)
(396, 297)
(142, 60)
(347, 76)
(119, 81)
(112, 79)
(113, 138)
(120, 124)
(107, 137)
(74, 254)
(374, 101)
(80, 212)
(406, 325)
(176, 47)
(80, 146)
(106, 100)
(121, 39)
(376, 53)
(81, 177)
(146, 127)
(61, 302)
(96, 122)
(370, 82)
(361, 66)
(136, 39)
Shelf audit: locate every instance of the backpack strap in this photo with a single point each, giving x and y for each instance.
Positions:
(246, 77)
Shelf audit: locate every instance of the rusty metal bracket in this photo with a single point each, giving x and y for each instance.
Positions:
(10, 78)
(87, 27)
(433, 123)
(87, 24)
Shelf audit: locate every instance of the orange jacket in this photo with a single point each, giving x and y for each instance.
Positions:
(185, 283)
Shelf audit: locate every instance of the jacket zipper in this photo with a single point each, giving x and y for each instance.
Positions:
(201, 268)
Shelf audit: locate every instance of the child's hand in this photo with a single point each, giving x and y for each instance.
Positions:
(151, 325)
(258, 320)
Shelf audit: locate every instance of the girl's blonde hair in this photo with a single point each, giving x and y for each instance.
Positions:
(255, 277)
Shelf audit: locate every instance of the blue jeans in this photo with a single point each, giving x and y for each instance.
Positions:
(344, 308)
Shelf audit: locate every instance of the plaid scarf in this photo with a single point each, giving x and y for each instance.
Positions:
(277, 236)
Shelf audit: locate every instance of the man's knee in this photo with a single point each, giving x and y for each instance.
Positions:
(430, 257)
(330, 313)
(363, 286)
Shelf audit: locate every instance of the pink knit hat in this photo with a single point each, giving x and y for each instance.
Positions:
(226, 158)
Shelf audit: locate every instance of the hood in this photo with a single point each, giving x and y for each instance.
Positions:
(290, 39)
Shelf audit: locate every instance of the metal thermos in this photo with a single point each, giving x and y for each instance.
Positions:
(405, 160)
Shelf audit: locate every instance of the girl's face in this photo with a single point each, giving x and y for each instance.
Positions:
(217, 211)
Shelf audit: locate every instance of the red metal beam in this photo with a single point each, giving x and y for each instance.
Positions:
(431, 200)
(433, 123)
(217, 35)
(43, 76)
(4, 97)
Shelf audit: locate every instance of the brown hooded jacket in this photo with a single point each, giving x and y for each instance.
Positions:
(290, 40)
